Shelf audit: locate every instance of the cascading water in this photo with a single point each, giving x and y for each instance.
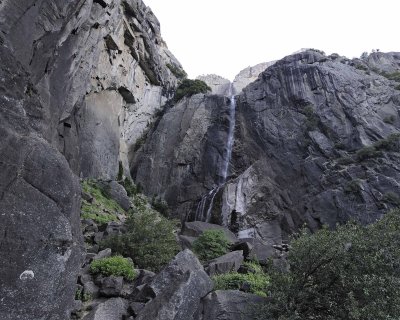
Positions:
(204, 208)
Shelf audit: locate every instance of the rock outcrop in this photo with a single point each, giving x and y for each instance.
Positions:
(315, 142)
(218, 84)
(177, 290)
(249, 75)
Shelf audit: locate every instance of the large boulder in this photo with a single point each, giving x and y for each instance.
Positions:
(111, 309)
(177, 289)
(196, 228)
(230, 305)
(227, 263)
(116, 192)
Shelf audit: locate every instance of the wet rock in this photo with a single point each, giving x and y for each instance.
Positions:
(178, 289)
(229, 262)
(196, 228)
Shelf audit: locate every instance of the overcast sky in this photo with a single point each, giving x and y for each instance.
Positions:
(226, 36)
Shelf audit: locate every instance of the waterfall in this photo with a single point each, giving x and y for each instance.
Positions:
(204, 208)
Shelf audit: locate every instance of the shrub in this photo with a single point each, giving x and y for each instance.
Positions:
(190, 87)
(211, 244)
(395, 76)
(392, 198)
(389, 119)
(130, 187)
(113, 266)
(177, 71)
(312, 120)
(256, 279)
(348, 274)
(150, 240)
(160, 205)
(367, 153)
(397, 87)
(353, 187)
(390, 143)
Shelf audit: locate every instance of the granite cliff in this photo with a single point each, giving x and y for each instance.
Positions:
(87, 91)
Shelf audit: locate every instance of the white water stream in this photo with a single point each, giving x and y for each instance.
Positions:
(204, 208)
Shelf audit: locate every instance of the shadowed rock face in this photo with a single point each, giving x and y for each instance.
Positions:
(40, 243)
(79, 81)
(296, 158)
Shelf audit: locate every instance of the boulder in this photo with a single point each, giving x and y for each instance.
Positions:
(110, 286)
(230, 305)
(116, 192)
(111, 309)
(244, 246)
(144, 277)
(196, 228)
(226, 263)
(260, 251)
(113, 228)
(90, 290)
(178, 289)
(103, 254)
(186, 242)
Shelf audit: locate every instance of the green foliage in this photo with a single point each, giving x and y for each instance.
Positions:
(150, 240)
(391, 198)
(395, 76)
(130, 187)
(256, 279)
(367, 153)
(80, 295)
(211, 244)
(361, 67)
(391, 143)
(389, 119)
(113, 266)
(397, 87)
(312, 120)
(102, 209)
(352, 273)
(190, 87)
(353, 187)
(160, 205)
(176, 71)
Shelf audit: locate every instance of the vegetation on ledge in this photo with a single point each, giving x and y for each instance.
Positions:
(190, 87)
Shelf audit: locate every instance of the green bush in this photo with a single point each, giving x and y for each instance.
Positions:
(130, 187)
(150, 240)
(395, 76)
(160, 205)
(177, 71)
(190, 87)
(256, 279)
(352, 273)
(211, 244)
(391, 198)
(367, 153)
(390, 143)
(113, 266)
(353, 187)
(389, 119)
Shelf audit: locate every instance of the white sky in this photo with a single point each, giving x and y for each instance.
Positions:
(226, 36)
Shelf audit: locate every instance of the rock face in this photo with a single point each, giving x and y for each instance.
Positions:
(40, 246)
(230, 305)
(100, 68)
(249, 75)
(178, 290)
(300, 154)
(218, 84)
(79, 82)
(186, 146)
